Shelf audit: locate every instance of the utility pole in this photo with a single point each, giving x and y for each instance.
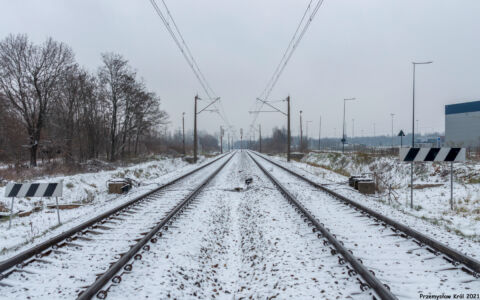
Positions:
(413, 126)
(260, 138)
(241, 138)
(392, 127)
(353, 128)
(319, 132)
(287, 114)
(344, 137)
(301, 133)
(289, 138)
(228, 141)
(221, 140)
(195, 141)
(418, 128)
(183, 132)
(353, 134)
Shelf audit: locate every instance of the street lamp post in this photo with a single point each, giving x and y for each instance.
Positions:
(413, 126)
(306, 134)
(344, 138)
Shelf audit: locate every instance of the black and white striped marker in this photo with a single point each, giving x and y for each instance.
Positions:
(433, 154)
(20, 190)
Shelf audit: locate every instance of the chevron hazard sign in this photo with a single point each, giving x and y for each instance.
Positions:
(19, 190)
(432, 154)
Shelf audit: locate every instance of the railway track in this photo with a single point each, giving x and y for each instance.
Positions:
(80, 261)
(407, 261)
(242, 242)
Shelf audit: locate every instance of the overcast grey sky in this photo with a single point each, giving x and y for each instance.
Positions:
(354, 48)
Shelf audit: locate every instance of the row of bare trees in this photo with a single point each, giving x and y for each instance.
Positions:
(49, 103)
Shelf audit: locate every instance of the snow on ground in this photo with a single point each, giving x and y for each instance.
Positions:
(406, 268)
(75, 266)
(431, 186)
(249, 244)
(445, 226)
(88, 189)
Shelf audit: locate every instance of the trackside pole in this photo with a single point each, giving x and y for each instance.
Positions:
(451, 185)
(411, 186)
(58, 211)
(11, 214)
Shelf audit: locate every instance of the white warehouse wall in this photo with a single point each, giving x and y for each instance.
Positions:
(462, 129)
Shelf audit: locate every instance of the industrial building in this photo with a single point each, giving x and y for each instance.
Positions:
(462, 124)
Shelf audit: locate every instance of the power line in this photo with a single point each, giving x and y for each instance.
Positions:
(292, 46)
(286, 51)
(188, 50)
(179, 45)
(187, 54)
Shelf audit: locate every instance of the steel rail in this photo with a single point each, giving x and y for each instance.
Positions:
(23, 256)
(373, 281)
(117, 266)
(454, 255)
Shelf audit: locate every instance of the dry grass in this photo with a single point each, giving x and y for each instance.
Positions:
(426, 186)
(20, 173)
(338, 171)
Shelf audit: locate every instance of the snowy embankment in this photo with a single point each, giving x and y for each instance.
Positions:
(431, 187)
(90, 191)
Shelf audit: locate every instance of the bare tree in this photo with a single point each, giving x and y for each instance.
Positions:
(76, 90)
(113, 76)
(28, 78)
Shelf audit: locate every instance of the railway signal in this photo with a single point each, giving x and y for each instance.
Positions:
(401, 134)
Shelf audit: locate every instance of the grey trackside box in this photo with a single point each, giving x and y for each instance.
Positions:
(366, 187)
(358, 180)
(352, 179)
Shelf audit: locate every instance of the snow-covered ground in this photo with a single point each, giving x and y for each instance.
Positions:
(247, 244)
(76, 265)
(88, 189)
(461, 231)
(398, 262)
(239, 241)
